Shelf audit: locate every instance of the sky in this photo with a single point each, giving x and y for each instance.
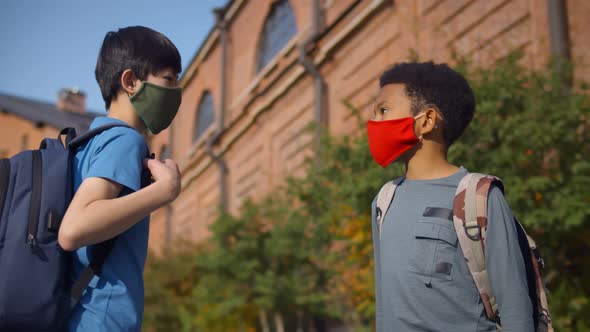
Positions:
(46, 45)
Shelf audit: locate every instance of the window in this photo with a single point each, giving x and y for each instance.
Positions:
(205, 115)
(279, 28)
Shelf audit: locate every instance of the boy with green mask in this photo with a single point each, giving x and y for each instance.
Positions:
(137, 72)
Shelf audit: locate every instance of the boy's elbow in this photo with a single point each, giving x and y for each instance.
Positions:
(67, 239)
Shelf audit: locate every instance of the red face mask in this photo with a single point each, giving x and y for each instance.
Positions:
(389, 139)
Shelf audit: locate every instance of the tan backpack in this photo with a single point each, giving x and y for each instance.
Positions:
(470, 220)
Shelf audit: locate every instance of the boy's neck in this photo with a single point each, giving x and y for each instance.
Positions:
(122, 109)
(429, 163)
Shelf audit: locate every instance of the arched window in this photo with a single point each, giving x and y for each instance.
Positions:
(205, 115)
(279, 28)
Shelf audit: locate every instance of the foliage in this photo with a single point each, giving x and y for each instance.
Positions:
(533, 131)
(169, 283)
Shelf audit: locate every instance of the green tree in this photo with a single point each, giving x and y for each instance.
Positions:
(169, 283)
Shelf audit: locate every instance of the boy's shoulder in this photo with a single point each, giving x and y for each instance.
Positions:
(117, 146)
(122, 137)
(387, 189)
(116, 154)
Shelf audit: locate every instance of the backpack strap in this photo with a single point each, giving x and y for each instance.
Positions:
(57, 143)
(470, 209)
(384, 199)
(545, 323)
(78, 141)
(99, 255)
(4, 182)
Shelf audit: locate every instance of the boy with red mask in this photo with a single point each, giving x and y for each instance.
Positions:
(422, 279)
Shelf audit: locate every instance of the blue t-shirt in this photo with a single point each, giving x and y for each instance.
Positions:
(113, 302)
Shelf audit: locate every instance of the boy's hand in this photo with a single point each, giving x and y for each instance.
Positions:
(166, 175)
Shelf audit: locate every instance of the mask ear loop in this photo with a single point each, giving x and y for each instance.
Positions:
(421, 137)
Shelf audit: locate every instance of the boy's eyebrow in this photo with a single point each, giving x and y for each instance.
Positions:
(380, 103)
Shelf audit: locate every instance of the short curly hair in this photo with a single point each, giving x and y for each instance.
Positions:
(438, 86)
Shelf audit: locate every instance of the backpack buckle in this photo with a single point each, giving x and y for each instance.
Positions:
(472, 230)
(540, 260)
(379, 215)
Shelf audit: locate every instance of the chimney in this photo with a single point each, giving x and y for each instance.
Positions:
(71, 100)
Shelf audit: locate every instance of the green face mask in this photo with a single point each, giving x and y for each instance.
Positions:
(156, 105)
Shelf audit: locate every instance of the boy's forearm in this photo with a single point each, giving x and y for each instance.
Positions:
(104, 219)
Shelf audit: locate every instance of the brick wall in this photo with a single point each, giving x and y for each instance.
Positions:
(267, 112)
(17, 134)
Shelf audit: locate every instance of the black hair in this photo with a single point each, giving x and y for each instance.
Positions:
(138, 48)
(436, 85)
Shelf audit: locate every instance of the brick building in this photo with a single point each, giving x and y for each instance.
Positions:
(269, 68)
(25, 122)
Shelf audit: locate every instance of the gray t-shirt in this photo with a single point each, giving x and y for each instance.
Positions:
(422, 282)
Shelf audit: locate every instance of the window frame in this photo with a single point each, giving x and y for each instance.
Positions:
(198, 130)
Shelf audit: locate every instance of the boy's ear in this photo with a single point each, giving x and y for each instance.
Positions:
(129, 82)
(428, 123)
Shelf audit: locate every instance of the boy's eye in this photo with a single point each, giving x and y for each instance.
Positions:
(170, 78)
(383, 110)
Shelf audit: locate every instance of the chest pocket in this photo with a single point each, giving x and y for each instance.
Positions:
(434, 248)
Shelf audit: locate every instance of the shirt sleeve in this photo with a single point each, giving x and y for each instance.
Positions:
(119, 157)
(377, 263)
(505, 266)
